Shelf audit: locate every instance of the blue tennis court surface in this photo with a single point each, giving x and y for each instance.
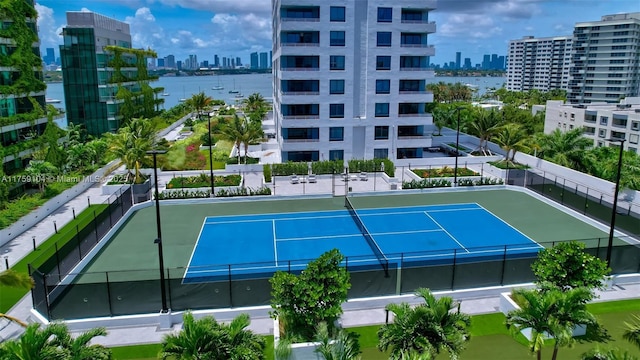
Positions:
(256, 245)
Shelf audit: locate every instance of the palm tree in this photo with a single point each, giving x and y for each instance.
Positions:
(430, 327)
(198, 339)
(441, 117)
(244, 344)
(512, 139)
(37, 344)
(607, 354)
(131, 144)
(79, 348)
(343, 347)
(240, 131)
(484, 127)
(40, 172)
(199, 102)
(15, 279)
(207, 339)
(253, 135)
(632, 333)
(256, 107)
(551, 313)
(565, 148)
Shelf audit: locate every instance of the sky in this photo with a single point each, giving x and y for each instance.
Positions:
(236, 28)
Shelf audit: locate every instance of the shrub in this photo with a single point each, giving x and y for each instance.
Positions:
(266, 170)
(243, 191)
(426, 183)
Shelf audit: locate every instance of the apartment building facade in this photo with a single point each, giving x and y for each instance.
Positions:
(22, 104)
(600, 122)
(605, 64)
(349, 78)
(538, 63)
(91, 78)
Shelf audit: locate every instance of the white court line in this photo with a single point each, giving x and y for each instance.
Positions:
(509, 225)
(184, 276)
(279, 219)
(321, 237)
(411, 212)
(443, 229)
(275, 250)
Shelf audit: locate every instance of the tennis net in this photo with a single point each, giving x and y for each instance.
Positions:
(367, 236)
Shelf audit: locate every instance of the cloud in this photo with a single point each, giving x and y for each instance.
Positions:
(145, 31)
(507, 9)
(262, 7)
(476, 26)
(48, 30)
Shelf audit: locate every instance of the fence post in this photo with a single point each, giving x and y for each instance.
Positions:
(504, 265)
(46, 296)
(78, 241)
(453, 271)
(346, 263)
(586, 202)
(230, 287)
(106, 274)
(168, 281)
(58, 263)
(399, 275)
(95, 226)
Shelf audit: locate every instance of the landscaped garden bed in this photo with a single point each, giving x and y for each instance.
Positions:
(444, 172)
(203, 181)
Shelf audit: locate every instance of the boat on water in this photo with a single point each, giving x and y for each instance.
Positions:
(471, 86)
(239, 96)
(217, 88)
(52, 101)
(182, 100)
(165, 94)
(234, 91)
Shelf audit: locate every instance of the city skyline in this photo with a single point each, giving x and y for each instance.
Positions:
(237, 29)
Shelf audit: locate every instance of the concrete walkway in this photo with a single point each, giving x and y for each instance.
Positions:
(356, 312)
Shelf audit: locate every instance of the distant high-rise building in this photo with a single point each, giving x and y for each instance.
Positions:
(216, 61)
(50, 58)
(205, 64)
(362, 93)
(538, 63)
(161, 62)
(90, 84)
(179, 64)
(486, 62)
(170, 61)
(238, 61)
(458, 57)
(254, 62)
(224, 62)
(233, 63)
(263, 60)
(604, 62)
(467, 63)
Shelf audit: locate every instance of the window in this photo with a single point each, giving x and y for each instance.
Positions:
(336, 111)
(382, 109)
(336, 86)
(385, 14)
(337, 13)
(336, 62)
(383, 86)
(381, 133)
(635, 125)
(336, 154)
(604, 120)
(383, 62)
(633, 138)
(602, 133)
(336, 134)
(384, 38)
(336, 38)
(380, 153)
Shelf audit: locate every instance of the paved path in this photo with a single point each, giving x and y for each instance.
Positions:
(357, 312)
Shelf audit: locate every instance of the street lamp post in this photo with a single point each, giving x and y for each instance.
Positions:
(158, 240)
(455, 169)
(213, 186)
(615, 201)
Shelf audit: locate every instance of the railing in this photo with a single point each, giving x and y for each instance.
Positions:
(421, 21)
(300, 44)
(416, 45)
(413, 92)
(300, 140)
(415, 69)
(299, 93)
(291, 19)
(409, 137)
(301, 117)
(414, 115)
(300, 68)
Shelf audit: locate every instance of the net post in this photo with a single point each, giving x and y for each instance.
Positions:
(453, 270)
(58, 262)
(386, 268)
(504, 265)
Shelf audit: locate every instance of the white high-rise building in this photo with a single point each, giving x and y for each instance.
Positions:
(539, 63)
(605, 59)
(350, 78)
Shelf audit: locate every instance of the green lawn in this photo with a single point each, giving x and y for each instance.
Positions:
(489, 338)
(9, 296)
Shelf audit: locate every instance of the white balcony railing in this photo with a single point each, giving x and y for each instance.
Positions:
(300, 93)
(299, 69)
(300, 140)
(301, 44)
(415, 115)
(301, 117)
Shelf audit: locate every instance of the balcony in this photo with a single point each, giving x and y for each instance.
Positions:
(300, 68)
(301, 44)
(297, 141)
(291, 19)
(408, 92)
(301, 117)
(415, 115)
(298, 93)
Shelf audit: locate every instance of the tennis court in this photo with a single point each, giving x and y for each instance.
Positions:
(371, 237)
